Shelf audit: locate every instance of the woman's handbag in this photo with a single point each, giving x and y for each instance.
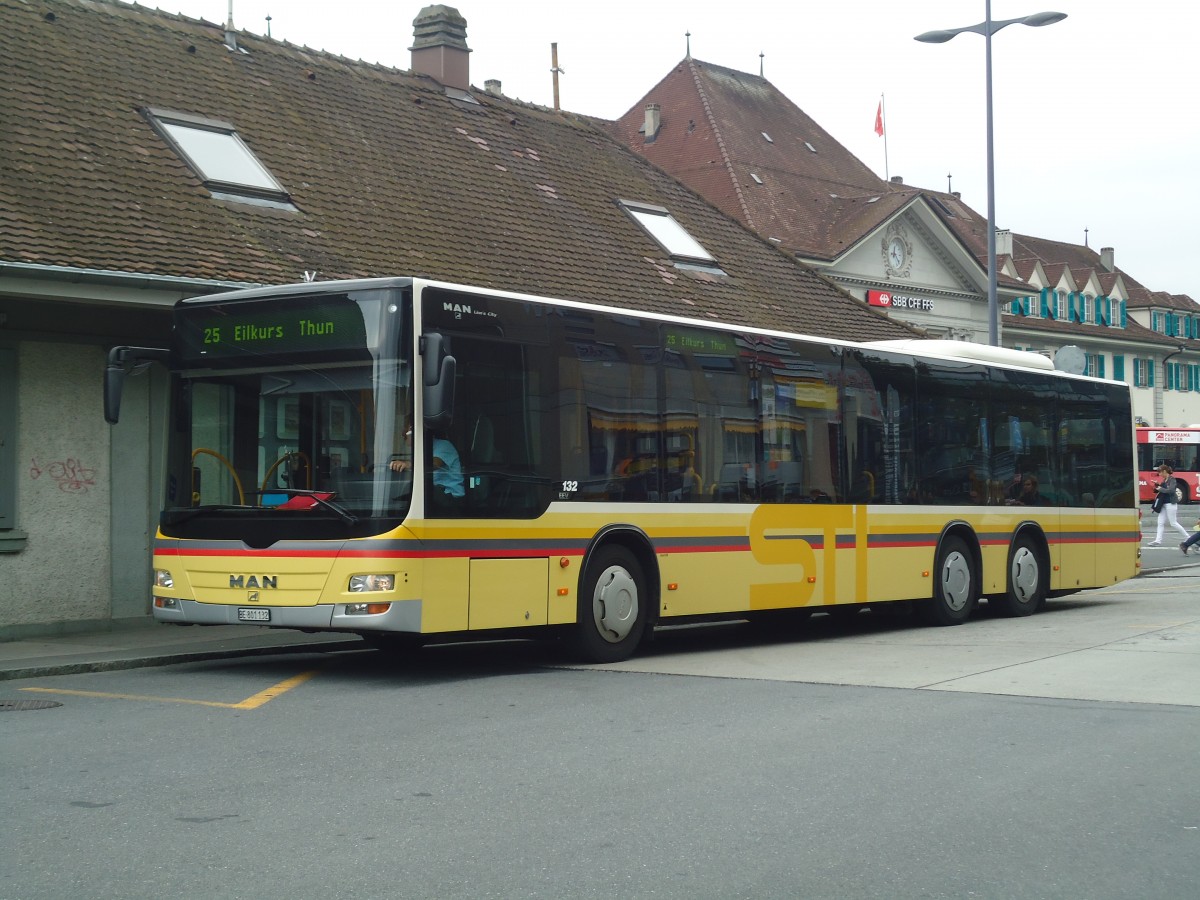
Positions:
(1159, 500)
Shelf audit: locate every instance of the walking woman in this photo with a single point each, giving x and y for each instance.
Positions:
(1165, 501)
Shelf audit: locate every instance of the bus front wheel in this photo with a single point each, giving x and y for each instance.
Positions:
(955, 586)
(612, 607)
(1026, 580)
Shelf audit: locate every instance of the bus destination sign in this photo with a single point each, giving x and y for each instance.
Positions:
(303, 326)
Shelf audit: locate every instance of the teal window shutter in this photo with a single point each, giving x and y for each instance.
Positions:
(1100, 357)
(1118, 367)
(1124, 321)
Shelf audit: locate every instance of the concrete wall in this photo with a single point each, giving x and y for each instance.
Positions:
(63, 490)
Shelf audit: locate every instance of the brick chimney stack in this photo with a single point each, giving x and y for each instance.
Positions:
(439, 47)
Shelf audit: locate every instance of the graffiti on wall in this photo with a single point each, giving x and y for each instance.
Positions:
(72, 476)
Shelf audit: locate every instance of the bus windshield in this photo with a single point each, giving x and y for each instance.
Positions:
(288, 412)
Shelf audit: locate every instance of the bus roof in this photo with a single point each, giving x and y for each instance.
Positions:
(984, 353)
(921, 347)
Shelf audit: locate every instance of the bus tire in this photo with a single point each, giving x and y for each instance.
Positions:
(955, 586)
(612, 607)
(1026, 581)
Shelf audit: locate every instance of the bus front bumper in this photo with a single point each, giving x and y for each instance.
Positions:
(401, 615)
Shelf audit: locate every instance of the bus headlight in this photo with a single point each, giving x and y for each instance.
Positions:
(162, 578)
(362, 583)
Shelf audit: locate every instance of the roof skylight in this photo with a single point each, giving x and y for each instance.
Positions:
(217, 154)
(673, 237)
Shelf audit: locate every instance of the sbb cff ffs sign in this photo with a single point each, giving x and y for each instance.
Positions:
(898, 301)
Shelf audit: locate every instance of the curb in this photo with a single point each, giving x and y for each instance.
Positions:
(75, 667)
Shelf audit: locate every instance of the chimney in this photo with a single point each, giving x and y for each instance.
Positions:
(1108, 259)
(653, 121)
(439, 47)
(1003, 242)
(897, 179)
(492, 86)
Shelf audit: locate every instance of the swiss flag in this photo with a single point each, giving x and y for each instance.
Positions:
(879, 119)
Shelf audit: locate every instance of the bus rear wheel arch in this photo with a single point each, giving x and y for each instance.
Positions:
(615, 605)
(955, 584)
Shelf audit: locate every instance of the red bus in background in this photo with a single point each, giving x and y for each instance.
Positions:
(1180, 449)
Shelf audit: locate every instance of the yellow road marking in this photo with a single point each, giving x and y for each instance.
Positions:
(252, 702)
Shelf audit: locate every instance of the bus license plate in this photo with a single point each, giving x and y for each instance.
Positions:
(253, 615)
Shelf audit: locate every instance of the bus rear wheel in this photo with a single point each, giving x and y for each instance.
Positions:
(612, 607)
(1026, 580)
(955, 586)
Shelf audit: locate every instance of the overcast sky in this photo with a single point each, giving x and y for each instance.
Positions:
(1095, 117)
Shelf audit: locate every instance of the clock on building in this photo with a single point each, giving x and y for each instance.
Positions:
(897, 251)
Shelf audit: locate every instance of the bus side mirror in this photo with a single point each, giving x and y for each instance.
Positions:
(438, 370)
(122, 361)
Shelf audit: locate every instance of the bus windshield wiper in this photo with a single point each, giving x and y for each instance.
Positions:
(319, 498)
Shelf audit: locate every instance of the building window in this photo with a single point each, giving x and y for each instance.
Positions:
(1095, 365)
(220, 158)
(670, 235)
(1143, 372)
(11, 540)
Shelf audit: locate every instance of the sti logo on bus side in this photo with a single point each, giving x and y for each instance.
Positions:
(262, 582)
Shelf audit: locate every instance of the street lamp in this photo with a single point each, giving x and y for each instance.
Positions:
(987, 28)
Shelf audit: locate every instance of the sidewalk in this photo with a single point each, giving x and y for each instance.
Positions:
(155, 644)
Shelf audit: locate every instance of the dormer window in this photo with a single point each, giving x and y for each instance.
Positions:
(220, 158)
(670, 235)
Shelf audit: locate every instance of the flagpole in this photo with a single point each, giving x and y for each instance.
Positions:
(883, 128)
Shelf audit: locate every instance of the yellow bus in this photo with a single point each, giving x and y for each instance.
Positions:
(411, 460)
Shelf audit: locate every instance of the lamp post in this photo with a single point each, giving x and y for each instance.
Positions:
(987, 28)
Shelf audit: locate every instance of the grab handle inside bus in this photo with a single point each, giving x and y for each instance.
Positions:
(438, 369)
(122, 361)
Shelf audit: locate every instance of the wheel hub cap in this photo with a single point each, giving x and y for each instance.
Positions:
(615, 604)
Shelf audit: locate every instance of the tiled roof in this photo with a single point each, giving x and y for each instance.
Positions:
(388, 173)
(721, 128)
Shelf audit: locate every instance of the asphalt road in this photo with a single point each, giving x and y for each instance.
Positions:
(1052, 756)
